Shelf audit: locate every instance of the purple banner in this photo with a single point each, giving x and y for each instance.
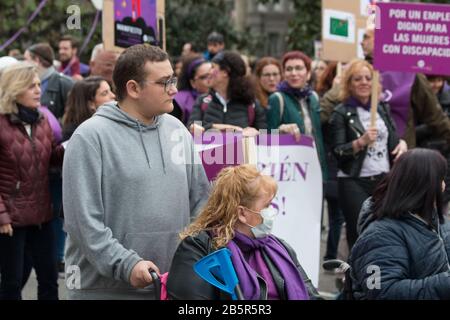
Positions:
(135, 22)
(413, 37)
(229, 151)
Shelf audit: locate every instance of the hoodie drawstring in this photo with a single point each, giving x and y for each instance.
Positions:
(161, 151)
(145, 149)
(143, 145)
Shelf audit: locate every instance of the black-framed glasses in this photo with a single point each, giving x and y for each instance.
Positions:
(172, 81)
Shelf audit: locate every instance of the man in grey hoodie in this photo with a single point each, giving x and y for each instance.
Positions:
(125, 197)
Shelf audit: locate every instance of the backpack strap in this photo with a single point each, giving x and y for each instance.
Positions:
(251, 114)
(281, 100)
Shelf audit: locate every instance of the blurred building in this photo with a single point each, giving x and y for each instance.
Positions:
(270, 21)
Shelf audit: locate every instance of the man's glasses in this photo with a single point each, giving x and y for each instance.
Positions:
(270, 75)
(173, 81)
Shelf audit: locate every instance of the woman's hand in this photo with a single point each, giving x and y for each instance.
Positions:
(196, 128)
(226, 127)
(291, 128)
(6, 229)
(369, 137)
(250, 132)
(401, 148)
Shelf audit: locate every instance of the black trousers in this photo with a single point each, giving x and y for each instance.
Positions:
(335, 220)
(352, 193)
(39, 242)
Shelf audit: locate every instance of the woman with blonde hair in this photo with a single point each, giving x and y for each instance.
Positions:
(27, 148)
(364, 152)
(239, 216)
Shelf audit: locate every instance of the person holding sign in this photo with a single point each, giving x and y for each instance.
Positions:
(364, 152)
(294, 108)
(239, 216)
(409, 95)
(402, 252)
(230, 104)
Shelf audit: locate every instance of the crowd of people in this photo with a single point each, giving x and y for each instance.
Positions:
(88, 147)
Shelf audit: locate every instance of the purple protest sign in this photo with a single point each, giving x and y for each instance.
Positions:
(413, 37)
(224, 149)
(135, 22)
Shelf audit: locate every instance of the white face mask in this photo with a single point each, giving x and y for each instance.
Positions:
(265, 228)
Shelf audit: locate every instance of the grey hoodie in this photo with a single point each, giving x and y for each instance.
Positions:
(125, 200)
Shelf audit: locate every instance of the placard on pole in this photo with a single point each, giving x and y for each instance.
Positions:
(128, 22)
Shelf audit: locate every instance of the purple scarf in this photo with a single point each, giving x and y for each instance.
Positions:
(294, 285)
(186, 100)
(302, 93)
(355, 103)
(397, 88)
(446, 87)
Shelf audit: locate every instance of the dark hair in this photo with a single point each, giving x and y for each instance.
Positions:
(431, 77)
(77, 105)
(215, 37)
(296, 55)
(44, 52)
(414, 185)
(131, 66)
(240, 87)
(73, 41)
(191, 63)
(325, 82)
(261, 95)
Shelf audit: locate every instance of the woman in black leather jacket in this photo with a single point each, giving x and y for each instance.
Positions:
(404, 245)
(364, 153)
(239, 216)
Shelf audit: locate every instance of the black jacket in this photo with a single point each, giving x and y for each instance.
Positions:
(236, 113)
(184, 284)
(424, 134)
(412, 258)
(345, 127)
(55, 96)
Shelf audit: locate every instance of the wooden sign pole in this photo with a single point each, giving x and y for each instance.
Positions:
(339, 69)
(160, 8)
(250, 151)
(374, 104)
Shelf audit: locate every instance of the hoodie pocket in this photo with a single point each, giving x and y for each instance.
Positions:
(157, 247)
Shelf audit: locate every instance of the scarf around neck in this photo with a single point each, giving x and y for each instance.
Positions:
(27, 115)
(302, 93)
(355, 103)
(294, 286)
